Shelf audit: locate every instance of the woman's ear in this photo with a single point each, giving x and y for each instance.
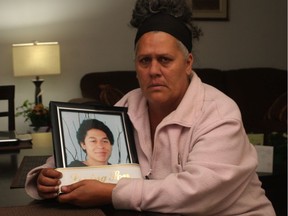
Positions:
(189, 62)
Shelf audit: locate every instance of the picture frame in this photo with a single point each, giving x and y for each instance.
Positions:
(210, 10)
(66, 119)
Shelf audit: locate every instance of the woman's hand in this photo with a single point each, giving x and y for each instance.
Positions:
(87, 193)
(48, 182)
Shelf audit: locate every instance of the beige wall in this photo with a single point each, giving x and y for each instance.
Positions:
(94, 36)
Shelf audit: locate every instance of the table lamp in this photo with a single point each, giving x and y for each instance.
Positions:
(35, 59)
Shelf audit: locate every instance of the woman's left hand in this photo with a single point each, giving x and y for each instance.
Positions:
(87, 193)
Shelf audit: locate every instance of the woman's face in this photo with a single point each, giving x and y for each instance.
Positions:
(98, 147)
(162, 68)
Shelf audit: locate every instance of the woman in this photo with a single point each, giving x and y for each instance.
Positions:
(193, 151)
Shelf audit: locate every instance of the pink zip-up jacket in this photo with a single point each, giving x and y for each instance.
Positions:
(202, 162)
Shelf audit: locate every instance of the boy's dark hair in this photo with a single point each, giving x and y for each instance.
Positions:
(89, 124)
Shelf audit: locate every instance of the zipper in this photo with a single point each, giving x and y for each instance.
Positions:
(148, 174)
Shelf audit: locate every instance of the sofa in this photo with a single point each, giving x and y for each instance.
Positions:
(261, 94)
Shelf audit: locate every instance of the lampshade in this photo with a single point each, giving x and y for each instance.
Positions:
(36, 59)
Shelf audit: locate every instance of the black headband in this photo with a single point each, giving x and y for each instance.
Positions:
(169, 24)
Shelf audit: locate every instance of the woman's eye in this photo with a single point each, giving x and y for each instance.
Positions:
(164, 59)
(145, 60)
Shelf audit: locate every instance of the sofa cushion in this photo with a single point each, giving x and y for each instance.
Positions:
(108, 87)
(212, 77)
(255, 90)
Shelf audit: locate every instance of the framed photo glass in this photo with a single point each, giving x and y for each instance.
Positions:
(71, 149)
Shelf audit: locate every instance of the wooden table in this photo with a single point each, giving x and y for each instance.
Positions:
(41, 145)
(15, 147)
(16, 202)
(39, 140)
(14, 150)
(52, 207)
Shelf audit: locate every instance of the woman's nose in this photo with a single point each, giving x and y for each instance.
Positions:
(154, 69)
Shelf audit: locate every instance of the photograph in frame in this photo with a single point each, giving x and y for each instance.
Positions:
(209, 10)
(66, 119)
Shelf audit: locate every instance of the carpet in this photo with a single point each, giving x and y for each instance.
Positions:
(27, 164)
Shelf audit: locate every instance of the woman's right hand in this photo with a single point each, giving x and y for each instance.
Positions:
(48, 182)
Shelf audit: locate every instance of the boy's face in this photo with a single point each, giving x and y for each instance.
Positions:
(97, 146)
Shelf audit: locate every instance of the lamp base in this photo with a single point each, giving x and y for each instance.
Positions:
(38, 93)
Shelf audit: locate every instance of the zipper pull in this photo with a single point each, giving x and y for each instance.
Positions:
(149, 173)
(179, 159)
